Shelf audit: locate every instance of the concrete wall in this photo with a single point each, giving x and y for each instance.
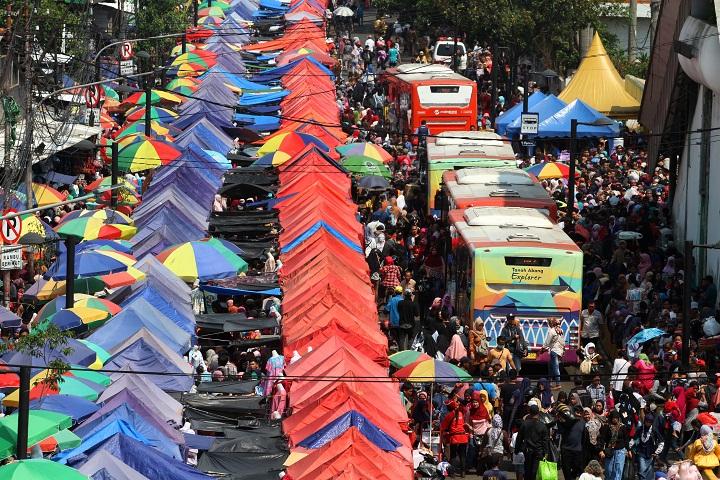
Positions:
(686, 206)
(619, 28)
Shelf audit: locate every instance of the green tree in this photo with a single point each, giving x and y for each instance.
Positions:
(158, 17)
(40, 343)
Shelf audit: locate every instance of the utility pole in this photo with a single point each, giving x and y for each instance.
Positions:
(632, 31)
(114, 172)
(654, 13)
(27, 150)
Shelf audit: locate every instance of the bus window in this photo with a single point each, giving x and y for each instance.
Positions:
(448, 49)
(434, 95)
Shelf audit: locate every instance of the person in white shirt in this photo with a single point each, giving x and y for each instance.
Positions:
(555, 344)
(370, 43)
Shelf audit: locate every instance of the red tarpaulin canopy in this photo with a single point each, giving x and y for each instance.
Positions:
(370, 342)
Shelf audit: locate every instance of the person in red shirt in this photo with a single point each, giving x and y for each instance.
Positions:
(454, 432)
(390, 275)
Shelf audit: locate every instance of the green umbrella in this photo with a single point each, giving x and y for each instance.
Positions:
(406, 357)
(63, 440)
(93, 376)
(39, 469)
(109, 92)
(216, 4)
(41, 425)
(362, 165)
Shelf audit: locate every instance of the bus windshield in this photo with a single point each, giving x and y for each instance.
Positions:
(447, 49)
(445, 95)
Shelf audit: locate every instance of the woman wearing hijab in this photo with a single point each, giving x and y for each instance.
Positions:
(546, 396)
(495, 442)
(645, 264)
(592, 445)
(478, 345)
(456, 350)
(705, 453)
(454, 432)
(485, 399)
(645, 378)
(446, 307)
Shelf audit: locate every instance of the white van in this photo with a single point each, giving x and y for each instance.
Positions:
(443, 52)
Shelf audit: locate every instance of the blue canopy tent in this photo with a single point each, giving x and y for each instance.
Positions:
(545, 109)
(141, 404)
(150, 242)
(257, 123)
(102, 465)
(235, 80)
(213, 91)
(558, 126)
(193, 207)
(181, 314)
(351, 419)
(73, 352)
(141, 356)
(140, 425)
(261, 98)
(145, 390)
(514, 112)
(232, 63)
(95, 438)
(135, 316)
(132, 450)
(76, 408)
(218, 115)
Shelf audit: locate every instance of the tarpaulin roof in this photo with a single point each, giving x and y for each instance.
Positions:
(351, 456)
(310, 161)
(235, 387)
(261, 123)
(139, 423)
(220, 116)
(135, 316)
(78, 354)
(320, 248)
(545, 109)
(205, 137)
(241, 466)
(514, 112)
(346, 421)
(597, 83)
(157, 466)
(141, 356)
(322, 316)
(274, 74)
(233, 79)
(335, 350)
(261, 98)
(232, 322)
(227, 407)
(158, 274)
(115, 469)
(300, 238)
(79, 454)
(149, 411)
(147, 392)
(180, 313)
(559, 124)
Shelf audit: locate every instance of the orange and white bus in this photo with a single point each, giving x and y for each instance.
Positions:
(493, 187)
(446, 100)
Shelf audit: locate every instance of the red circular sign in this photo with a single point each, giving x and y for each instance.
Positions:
(93, 96)
(126, 51)
(11, 228)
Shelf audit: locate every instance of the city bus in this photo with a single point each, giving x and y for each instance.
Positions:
(446, 100)
(492, 187)
(516, 260)
(458, 150)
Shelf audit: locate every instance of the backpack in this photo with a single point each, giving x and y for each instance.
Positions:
(586, 366)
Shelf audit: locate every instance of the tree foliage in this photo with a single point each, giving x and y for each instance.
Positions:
(40, 343)
(159, 17)
(546, 30)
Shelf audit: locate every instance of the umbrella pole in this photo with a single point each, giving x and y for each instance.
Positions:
(70, 243)
(114, 172)
(23, 413)
(432, 387)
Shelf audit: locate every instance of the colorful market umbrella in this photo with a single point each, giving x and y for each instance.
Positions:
(198, 58)
(70, 385)
(216, 3)
(91, 375)
(91, 228)
(8, 319)
(35, 231)
(138, 128)
(39, 469)
(120, 279)
(210, 21)
(77, 318)
(177, 49)
(81, 301)
(110, 92)
(91, 263)
(63, 440)
(41, 425)
(156, 113)
(361, 165)
(106, 121)
(272, 159)
(290, 142)
(156, 96)
(182, 82)
(213, 11)
(185, 91)
(107, 215)
(433, 371)
(406, 357)
(105, 149)
(46, 195)
(146, 154)
(202, 260)
(548, 170)
(106, 182)
(370, 150)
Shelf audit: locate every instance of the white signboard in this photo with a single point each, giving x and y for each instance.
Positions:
(11, 258)
(127, 67)
(95, 112)
(529, 123)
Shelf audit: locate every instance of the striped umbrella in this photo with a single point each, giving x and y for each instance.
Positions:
(121, 279)
(76, 318)
(35, 231)
(41, 424)
(146, 154)
(71, 385)
(210, 21)
(406, 357)
(182, 82)
(110, 92)
(216, 3)
(433, 371)
(291, 143)
(365, 149)
(107, 215)
(81, 301)
(202, 260)
(213, 11)
(177, 49)
(156, 113)
(361, 165)
(90, 228)
(548, 170)
(156, 96)
(106, 121)
(138, 128)
(198, 59)
(46, 195)
(127, 194)
(272, 159)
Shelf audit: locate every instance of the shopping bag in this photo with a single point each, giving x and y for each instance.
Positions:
(630, 470)
(547, 470)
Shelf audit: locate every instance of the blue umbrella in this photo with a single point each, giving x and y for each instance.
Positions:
(76, 407)
(91, 263)
(118, 245)
(8, 319)
(645, 335)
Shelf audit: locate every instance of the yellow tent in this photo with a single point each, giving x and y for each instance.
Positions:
(599, 84)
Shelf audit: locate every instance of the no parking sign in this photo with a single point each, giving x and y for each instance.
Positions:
(11, 228)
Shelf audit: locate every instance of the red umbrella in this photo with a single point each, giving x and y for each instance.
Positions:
(707, 419)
